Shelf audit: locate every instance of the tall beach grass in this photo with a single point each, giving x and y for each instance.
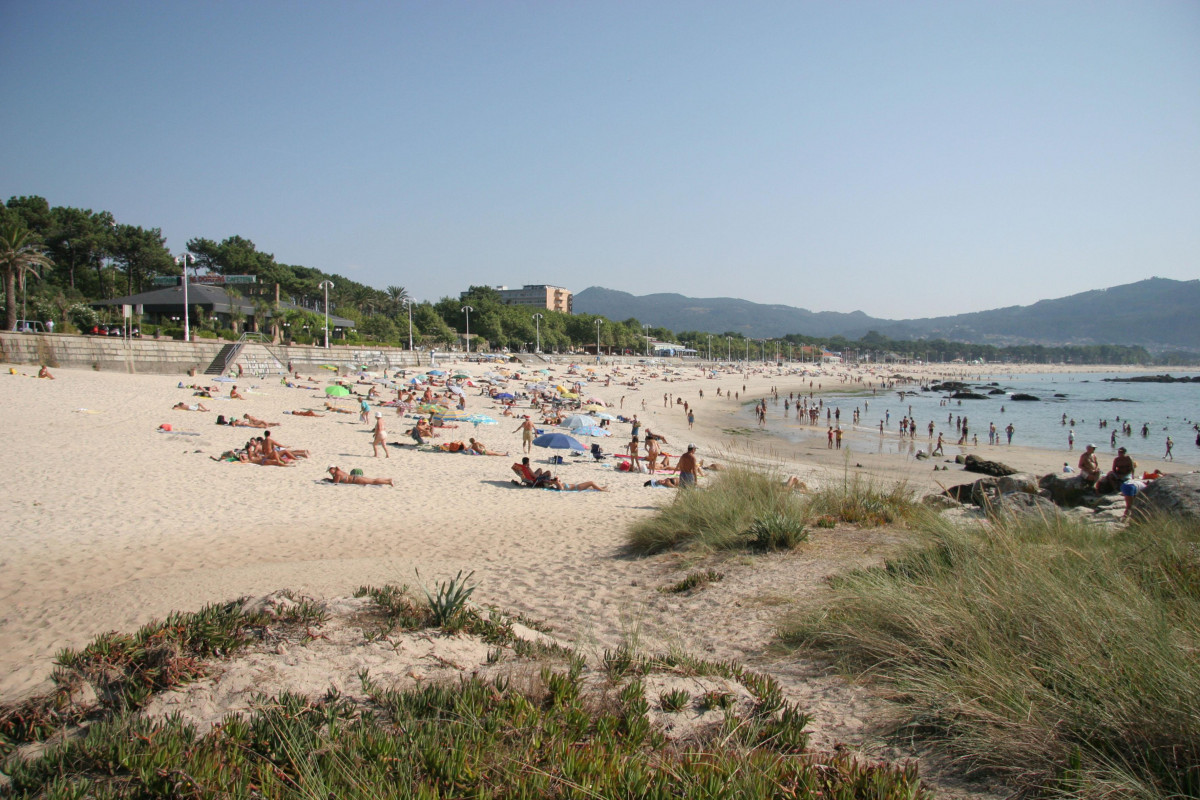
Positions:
(1062, 657)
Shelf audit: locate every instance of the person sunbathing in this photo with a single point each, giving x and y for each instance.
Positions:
(481, 449)
(341, 476)
(185, 407)
(331, 407)
(45, 373)
(305, 413)
(242, 423)
(585, 486)
(258, 423)
(535, 478)
(234, 394)
(669, 483)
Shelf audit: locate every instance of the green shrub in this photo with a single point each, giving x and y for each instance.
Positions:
(860, 501)
(694, 580)
(1043, 649)
(204, 333)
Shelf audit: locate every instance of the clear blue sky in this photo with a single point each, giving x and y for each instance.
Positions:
(906, 159)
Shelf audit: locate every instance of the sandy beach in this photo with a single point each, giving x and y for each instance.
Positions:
(111, 522)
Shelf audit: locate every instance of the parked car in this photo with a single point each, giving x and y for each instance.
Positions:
(30, 326)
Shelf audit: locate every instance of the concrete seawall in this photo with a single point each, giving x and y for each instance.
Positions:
(169, 357)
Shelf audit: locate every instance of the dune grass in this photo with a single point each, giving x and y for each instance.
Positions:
(739, 509)
(745, 509)
(1063, 658)
(549, 728)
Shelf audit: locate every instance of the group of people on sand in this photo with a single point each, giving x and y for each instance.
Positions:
(265, 451)
(1121, 478)
(544, 479)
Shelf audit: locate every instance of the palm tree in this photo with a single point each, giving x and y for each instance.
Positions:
(397, 297)
(19, 255)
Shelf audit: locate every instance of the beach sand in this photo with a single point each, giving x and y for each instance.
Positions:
(110, 523)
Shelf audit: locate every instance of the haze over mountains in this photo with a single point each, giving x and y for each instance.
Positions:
(1158, 314)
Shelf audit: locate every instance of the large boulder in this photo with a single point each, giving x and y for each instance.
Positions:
(1066, 490)
(1172, 494)
(1018, 504)
(1017, 482)
(996, 469)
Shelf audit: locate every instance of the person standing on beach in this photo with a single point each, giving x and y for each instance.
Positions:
(379, 437)
(1169, 455)
(1070, 438)
(526, 429)
(692, 420)
(686, 464)
(1009, 431)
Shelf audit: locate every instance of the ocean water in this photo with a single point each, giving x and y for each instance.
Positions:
(1167, 408)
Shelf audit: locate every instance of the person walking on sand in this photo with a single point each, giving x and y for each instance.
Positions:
(938, 451)
(1009, 431)
(526, 429)
(379, 438)
(691, 419)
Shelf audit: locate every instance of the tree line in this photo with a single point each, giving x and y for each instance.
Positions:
(58, 259)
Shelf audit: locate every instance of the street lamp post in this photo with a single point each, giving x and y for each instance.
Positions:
(408, 304)
(537, 324)
(326, 285)
(647, 329)
(728, 348)
(183, 262)
(467, 310)
(747, 351)
(710, 347)
(599, 322)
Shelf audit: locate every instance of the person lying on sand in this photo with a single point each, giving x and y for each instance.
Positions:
(341, 476)
(305, 413)
(481, 449)
(331, 407)
(555, 483)
(258, 423)
(45, 373)
(667, 483)
(185, 407)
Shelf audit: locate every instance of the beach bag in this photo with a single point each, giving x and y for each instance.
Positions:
(556, 459)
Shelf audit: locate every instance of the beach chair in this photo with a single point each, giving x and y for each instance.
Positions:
(597, 453)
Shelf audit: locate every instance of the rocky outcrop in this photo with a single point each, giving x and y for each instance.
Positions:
(1178, 495)
(1021, 504)
(1021, 396)
(1154, 379)
(1066, 490)
(968, 396)
(1018, 482)
(984, 467)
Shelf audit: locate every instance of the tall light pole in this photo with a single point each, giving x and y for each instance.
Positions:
(599, 322)
(326, 285)
(467, 310)
(183, 262)
(408, 304)
(747, 350)
(647, 329)
(710, 347)
(537, 324)
(728, 348)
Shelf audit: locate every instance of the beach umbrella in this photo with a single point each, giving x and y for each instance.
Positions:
(481, 419)
(329, 367)
(460, 375)
(431, 408)
(578, 421)
(504, 396)
(451, 415)
(593, 407)
(436, 372)
(559, 441)
(456, 389)
(337, 391)
(608, 417)
(590, 430)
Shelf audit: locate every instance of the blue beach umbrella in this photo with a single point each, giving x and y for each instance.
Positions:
(437, 372)
(578, 421)
(590, 430)
(504, 396)
(559, 441)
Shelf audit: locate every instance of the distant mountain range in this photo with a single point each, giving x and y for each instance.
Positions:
(1158, 314)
